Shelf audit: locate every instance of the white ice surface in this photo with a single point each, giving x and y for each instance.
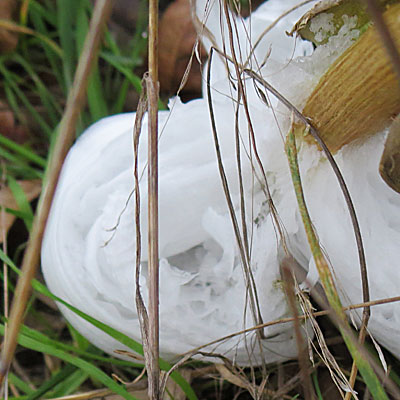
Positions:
(88, 254)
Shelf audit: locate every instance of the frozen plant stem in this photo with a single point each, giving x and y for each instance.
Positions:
(153, 311)
(326, 277)
(75, 102)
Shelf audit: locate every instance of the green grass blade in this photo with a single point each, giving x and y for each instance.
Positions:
(70, 384)
(10, 84)
(24, 206)
(23, 151)
(316, 386)
(88, 368)
(95, 93)
(117, 64)
(50, 383)
(66, 14)
(53, 109)
(18, 164)
(126, 340)
(19, 383)
(41, 18)
(72, 349)
(47, 14)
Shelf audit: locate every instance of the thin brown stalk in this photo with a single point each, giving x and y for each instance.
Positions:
(153, 40)
(345, 191)
(291, 319)
(339, 177)
(153, 309)
(387, 38)
(342, 184)
(144, 318)
(242, 95)
(152, 90)
(167, 374)
(290, 288)
(225, 186)
(75, 102)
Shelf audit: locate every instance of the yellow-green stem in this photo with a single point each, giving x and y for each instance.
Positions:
(326, 277)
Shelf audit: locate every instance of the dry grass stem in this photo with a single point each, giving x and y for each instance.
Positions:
(140, 306)
(149, 319)
(291, 319)
(75, 102)
(152, 93)
(152, 90)
(250, 283)
(242, 250)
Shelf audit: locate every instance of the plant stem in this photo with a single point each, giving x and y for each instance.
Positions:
(75, 102)
(153, 310)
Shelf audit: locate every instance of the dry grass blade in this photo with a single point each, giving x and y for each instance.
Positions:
(75, 103)
(13, 27)
(140, 306)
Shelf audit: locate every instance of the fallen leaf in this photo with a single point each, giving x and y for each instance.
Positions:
(177, 36)
(8, 39)
(9, 127)
(231, 377)
(31, 189)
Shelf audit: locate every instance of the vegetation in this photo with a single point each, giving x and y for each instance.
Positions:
(53, 360)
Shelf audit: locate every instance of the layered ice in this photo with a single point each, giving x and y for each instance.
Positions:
(88, 254)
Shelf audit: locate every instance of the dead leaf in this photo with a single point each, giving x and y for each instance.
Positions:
(32, 190)
(8, 125)
(231, 377)
(8, 39)
(177, 36)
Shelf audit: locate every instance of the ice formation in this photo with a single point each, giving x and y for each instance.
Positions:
(88, 254)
